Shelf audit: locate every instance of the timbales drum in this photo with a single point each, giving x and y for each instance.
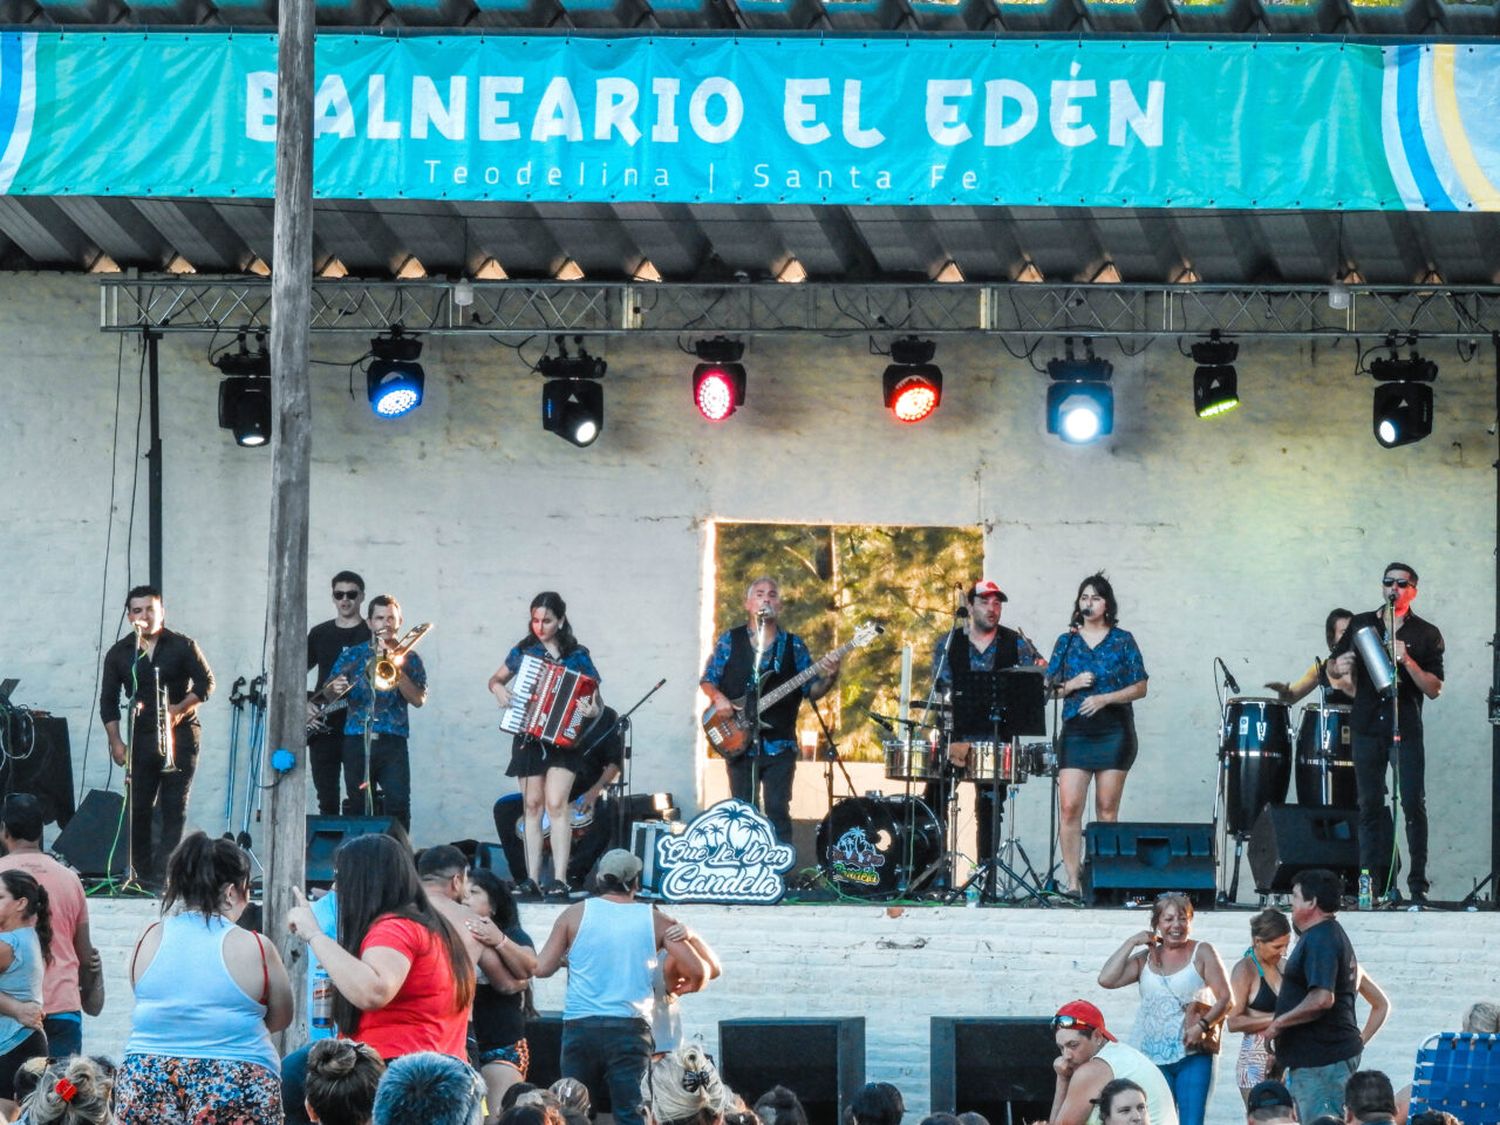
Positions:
(878, 847)
(998, 762)
(1256, 749)
(913, 760)
(1325, 759)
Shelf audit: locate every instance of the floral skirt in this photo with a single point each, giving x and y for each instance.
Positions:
(1253, 1065)
(167, 1090)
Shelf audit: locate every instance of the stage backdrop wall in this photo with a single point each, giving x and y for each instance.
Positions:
(1232, 537)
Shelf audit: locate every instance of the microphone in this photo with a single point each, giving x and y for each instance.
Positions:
(881, 721)
(762, 613)
(1229, 679)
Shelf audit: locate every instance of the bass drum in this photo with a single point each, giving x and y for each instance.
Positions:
(1325, 759)
(875, 847)
(1257, 753)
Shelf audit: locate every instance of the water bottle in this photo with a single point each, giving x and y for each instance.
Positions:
(1366, 889)
(322, 1000)
(971, 896)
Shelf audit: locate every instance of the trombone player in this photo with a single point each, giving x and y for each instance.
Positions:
(376, 727)
(164, 678)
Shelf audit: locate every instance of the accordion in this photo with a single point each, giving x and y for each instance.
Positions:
(544, 699)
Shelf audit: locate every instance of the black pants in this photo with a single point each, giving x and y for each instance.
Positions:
(1373, 755)
(390, 776)
(776, 772)
(325, 759)
(936, 795)
(588, 849)
(33, 1046)
(156, 792)
(609, 1054)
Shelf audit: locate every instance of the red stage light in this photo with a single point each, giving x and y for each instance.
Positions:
(914, 399)
(718, 389)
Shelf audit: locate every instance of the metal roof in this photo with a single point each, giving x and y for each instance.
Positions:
(689, 242)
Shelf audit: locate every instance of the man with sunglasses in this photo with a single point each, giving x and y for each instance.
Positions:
(1419, 676)
(1090, 1058)
(325, 642)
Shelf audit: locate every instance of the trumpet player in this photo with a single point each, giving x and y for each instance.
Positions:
(153, 664)
(377, 771)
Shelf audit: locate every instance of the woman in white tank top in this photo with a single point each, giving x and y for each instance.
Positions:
(1184, 996)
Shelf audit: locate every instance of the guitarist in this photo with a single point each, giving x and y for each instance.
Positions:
(727, 677)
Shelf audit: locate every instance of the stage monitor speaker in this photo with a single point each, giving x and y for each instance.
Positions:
(326, 833)
(544, 1041)
(1289, 839)
(1001, 1068)
(96, 829)
(821, 1060)
(39, 762)
(1125, 860)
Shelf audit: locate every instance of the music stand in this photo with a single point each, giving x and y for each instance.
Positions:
(1010, 703)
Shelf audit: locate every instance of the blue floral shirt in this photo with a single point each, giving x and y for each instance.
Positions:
(578, 660)
(1116, 663)
(390, 706)
(770, 661)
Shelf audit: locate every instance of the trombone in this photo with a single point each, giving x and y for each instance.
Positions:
(385, 667)
(383, 670)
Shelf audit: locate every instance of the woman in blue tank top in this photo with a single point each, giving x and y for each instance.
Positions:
(208, 995)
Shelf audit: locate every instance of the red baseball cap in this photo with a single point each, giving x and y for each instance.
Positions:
(987, 588)
(1081, 1014)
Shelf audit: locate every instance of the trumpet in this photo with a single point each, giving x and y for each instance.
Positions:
(385, 667)
(166, 744)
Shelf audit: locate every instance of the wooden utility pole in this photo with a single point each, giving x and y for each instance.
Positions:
(291, 457)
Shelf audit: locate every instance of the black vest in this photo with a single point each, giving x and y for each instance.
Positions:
(782, 718)
(969, 709)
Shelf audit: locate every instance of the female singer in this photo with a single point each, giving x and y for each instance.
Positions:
(545, 771)
(1096, 669)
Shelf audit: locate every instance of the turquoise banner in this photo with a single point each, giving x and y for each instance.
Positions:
(801, 120)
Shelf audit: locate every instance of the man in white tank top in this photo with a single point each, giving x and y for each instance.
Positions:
(1089, 1059)
(611, 944)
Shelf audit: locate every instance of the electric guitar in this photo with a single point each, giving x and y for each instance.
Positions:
(729, 734)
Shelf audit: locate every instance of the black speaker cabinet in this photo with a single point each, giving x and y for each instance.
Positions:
(820, 1060)
(40, 762)
(1288, 839)
(544, 1041)
(96, 830)
(1001, 1068)
(1134, 860)
(326, 833)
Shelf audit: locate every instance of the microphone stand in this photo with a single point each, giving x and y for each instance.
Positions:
(752, 711)
(1220, 800)
(942, 872)
(1390, 878)
(1055, 813)
(623, 786)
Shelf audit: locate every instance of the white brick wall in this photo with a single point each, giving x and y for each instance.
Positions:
(899, 968)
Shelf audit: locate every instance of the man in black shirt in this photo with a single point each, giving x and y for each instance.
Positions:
(138, 667)
(1419, 676)
(325, 641)
(1314, 1034)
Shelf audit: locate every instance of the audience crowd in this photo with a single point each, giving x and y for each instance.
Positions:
(421, 992)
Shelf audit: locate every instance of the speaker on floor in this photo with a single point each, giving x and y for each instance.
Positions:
(1289, 839)
(326, 833)
(544, 1041)
(821, 1060)
(1001, 1068)
(95, 840)
(1137, 860)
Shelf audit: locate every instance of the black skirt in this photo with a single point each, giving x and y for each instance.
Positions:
(530, 757)
(1103, 741)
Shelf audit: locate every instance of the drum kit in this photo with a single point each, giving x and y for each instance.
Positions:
(1261, 752)
(881, 846)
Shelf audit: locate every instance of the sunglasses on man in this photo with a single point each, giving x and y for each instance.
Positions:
(346, 595)
(1402, 582)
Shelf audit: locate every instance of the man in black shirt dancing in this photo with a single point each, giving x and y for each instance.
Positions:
(139, 667)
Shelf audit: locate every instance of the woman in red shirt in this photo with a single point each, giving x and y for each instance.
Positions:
(403, 980)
